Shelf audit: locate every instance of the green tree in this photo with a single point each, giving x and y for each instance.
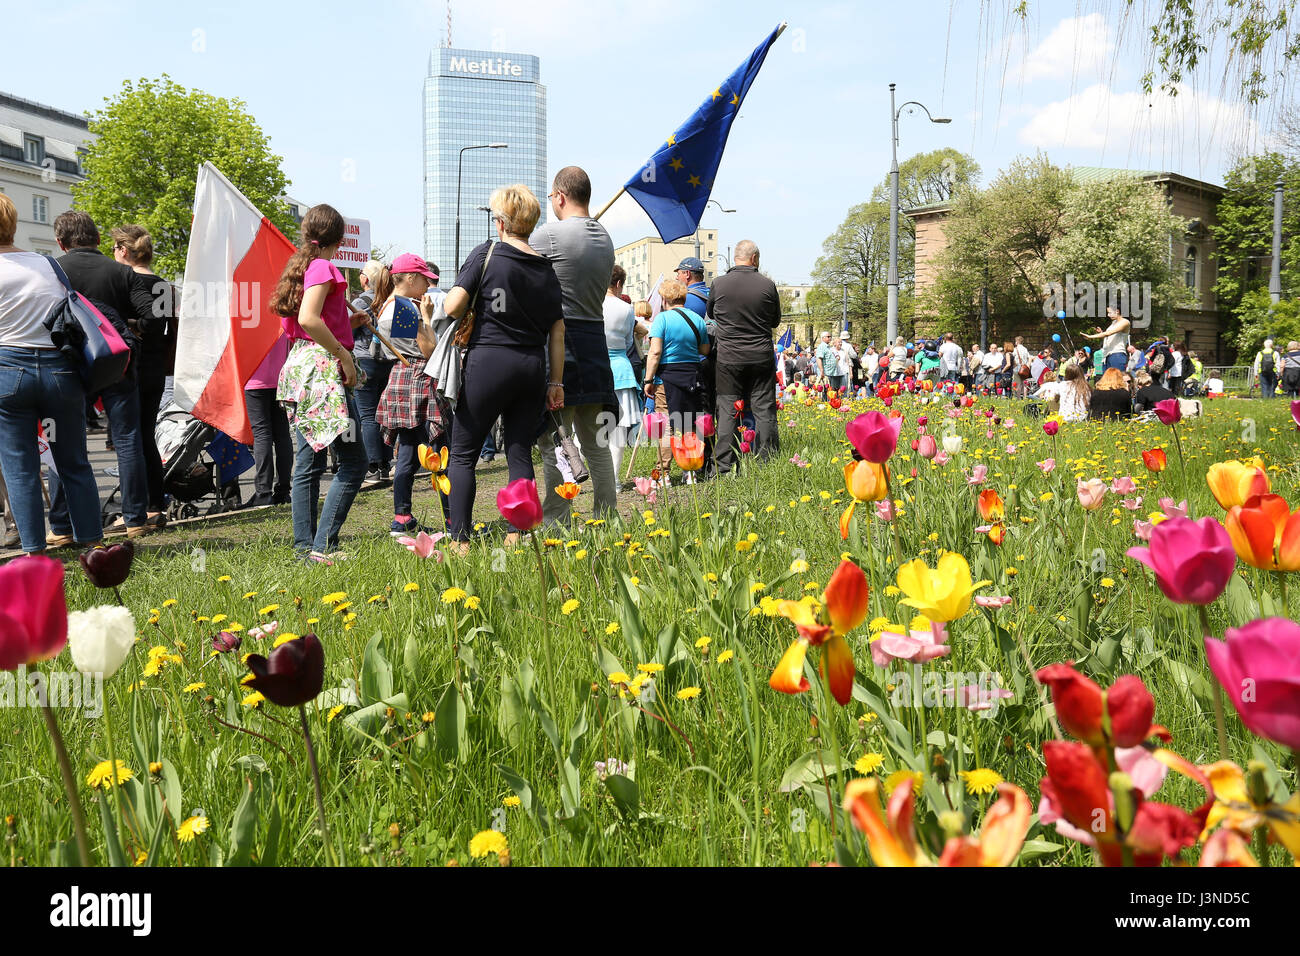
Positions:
(151, 139)
(1243, 235)
(1259, 319)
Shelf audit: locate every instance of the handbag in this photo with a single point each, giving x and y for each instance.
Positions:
(699, 391)
(466, 327)
(81, 332)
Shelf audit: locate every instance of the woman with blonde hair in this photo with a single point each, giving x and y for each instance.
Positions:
(517, 332)
(679, 341)
(1111, 399)
(1075, 395)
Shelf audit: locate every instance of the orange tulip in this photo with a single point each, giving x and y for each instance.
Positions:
(1001, 835)
(435, 459)
(1154, 459)
(846, 607)
(1265, 533)
(865, 481)
(688, 451)
(1233, 483)
(568, 490)
(990, 505)
(998, 533)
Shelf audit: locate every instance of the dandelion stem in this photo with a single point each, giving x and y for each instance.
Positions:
(69, 784)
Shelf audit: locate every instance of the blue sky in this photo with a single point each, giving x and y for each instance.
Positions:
(338, 87)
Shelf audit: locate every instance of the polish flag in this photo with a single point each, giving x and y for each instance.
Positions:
(224, 327)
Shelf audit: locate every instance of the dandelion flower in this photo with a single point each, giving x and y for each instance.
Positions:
(472, 602)
(726, 656)
(799, 566)
(102, 775)
(193, 688)
(569, 606)
(981, 779)
(408, 587)
(453, 596)
(899, 777)
(612, 627)
(618, 677)
(651, 668)
(487, 841)
(334, 712)
(191, 828)
(703, 643)
(254, 699)
(512, 802)
(869, 763)
(688, 693)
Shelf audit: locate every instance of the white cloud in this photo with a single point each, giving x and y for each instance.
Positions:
(1076, 46)
(1191, 132)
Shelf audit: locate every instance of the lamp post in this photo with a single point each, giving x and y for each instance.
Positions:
(1275, 273)
(711, 202)
(891, 328)
(488, 210)
(460, 159)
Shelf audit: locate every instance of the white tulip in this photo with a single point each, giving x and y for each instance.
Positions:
(952, 444)
(100, 639)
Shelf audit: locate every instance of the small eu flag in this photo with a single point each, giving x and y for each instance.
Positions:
(232, 457)
(674, 186)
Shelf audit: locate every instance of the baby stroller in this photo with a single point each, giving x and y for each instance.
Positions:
(189, 473)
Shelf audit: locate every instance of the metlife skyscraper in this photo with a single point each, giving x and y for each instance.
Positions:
(472, 98)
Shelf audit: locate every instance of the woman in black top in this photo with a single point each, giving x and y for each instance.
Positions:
(1148, 393)
(518, 324)
(1110, 399)
(133, 246)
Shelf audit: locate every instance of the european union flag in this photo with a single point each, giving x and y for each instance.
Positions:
(232, 457)
(674, 186)
(786, 340)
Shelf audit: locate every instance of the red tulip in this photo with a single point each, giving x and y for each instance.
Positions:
(846, 607)
(33, 612)
(834, 401)
(1169, 411)
(738, 405)
(225, 642)
(293, 674)
(519, 504)
(1259, 667)
(1192, 560)
(107, 567)
(1295, 413)
(874, 435)
(1076, 786)
(704, 425)
(1154, 459)
(688, 451)
(744, 448)
(1266, 533)
(1080, 702)
(1051, 427)
(990, 505)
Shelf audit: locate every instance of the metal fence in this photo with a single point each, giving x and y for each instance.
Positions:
(1236, 378)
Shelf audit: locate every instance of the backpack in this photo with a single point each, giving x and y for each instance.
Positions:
(1291, 374)
(1266, 365)
(1161, 358)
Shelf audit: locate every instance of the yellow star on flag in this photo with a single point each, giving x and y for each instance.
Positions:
(693, 180)
(734, 99)
(676, 163)
(717, 94)
(672, 140)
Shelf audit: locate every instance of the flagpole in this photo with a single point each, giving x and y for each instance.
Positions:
(605, 208)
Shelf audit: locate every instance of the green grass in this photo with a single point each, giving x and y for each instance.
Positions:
(737, 775)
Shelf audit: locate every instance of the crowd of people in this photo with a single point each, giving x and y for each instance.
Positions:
(535, 342)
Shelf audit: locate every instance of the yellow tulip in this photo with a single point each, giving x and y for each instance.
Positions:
(942, 593)
(1233, 483)
(865, 481)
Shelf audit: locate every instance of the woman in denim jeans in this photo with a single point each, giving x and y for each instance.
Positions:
(316, 384)
(39, 387)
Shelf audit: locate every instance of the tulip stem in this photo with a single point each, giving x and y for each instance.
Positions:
(1219, 722)
(828, 717)
(893, 522)
(315, 779)
(1178, 442)
(69, 784)
(115, 783)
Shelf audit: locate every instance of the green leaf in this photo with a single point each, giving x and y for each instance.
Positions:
(1033, 849)
(363, 724)
(376, 672)
(627, 797)
(512, 711)
(243, 825)
(808, 768)
(449, 724)
(534, 808)
(112, 843)
(411, 658)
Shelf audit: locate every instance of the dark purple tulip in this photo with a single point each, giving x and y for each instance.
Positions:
(225, 642)
(108, 567)
(294, 673)
(1169, 411)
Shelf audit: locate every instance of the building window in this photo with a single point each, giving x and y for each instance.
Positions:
(34, 149)
(1189, 267)
(41, 208)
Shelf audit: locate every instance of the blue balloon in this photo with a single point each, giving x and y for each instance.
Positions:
(1087, 350)
(1061, 315)
(1056, 336)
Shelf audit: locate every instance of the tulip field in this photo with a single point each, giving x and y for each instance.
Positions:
(930, 631)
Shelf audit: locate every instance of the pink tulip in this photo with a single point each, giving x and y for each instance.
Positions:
(1092, 493)
(1142, 529)
(1192, 560)
(989, 433)
(704, 425)
(1132, 504)
(1009, 423)
(941, 458)
(885, 510)
(1047, 465)
(992, 602)
(1169, 411)
(975, 698)
(875, 436)
(1259, 667)
(748, 435)
(1123, 486)
(921, 422)
(1295, 412)
(927, 447)
(1011, 449)
(744, 448)
(977, 475)
(644, 486)
(422, 545)
(1172, 510)
(1051, 427)
(914, 646)
(655, 424)
(33, 612)
(519, 504)
(920, 429)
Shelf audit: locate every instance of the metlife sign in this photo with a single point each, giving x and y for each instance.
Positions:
(487, 65)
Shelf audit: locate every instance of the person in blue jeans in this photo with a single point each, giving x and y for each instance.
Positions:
(39, 384)
(316, 527)
(374, 370)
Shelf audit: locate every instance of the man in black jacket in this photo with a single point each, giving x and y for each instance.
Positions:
(108, 285)
(745, 307)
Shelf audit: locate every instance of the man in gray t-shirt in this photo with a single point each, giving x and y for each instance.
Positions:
(582, 254)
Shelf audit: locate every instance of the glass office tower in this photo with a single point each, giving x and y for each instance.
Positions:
(471, 98)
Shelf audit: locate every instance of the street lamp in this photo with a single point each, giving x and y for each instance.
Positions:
(891, 327)
(711, 202)
(488, 210)
(460, 158)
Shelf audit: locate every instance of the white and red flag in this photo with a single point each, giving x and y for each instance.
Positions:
(225, 328)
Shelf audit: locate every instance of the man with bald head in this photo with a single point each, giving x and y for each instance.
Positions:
(745, 308)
